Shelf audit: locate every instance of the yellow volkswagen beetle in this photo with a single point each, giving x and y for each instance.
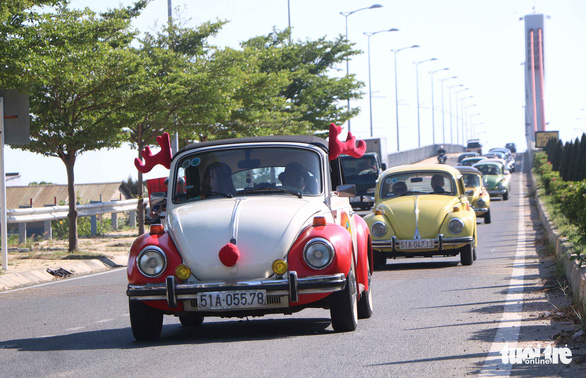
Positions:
(422, 211)
(476, 191)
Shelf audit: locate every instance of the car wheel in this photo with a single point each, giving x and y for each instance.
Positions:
(365, 305)
(467, 255)
(146, 322)
(344, 306)
(506, 195)
(487, 217)
(190, 320)
(380, 260)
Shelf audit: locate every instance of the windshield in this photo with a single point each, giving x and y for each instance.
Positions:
(488, 169)
(247, 171)
(408, 183)
(471, 180)
(365, 165)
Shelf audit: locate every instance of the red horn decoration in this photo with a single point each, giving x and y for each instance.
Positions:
(349, 147)
(162, 157)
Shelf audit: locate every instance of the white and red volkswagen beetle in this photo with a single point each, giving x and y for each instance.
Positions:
(253, 226)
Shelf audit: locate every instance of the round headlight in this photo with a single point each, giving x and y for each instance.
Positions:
(318, 253)
(480, 203)
(378, 229)
(152, 261)
(455, 226)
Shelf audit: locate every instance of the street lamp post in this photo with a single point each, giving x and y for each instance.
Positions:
(467, 130)
(450, 102)
(370, 34)
(397, 90)
(346, 15)
(443, 111)
(462, 118)
(432, 103)
(417, 84)
(457, 113)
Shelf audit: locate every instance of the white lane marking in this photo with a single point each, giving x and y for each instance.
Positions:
(510, 324)
(61, 281)
(74, 329)
(104, 321)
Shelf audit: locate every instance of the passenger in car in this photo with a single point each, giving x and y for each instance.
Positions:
(217, 180)
(297, 177)
(399, 188)
(437, 183)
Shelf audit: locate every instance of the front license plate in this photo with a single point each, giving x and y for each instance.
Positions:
(355, 199)
(416, 244)
(226, 300)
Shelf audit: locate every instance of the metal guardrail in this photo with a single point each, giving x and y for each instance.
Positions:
(34, 214)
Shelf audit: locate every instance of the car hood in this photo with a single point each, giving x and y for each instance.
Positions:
(424, 214)
(263, 229)
(491, 181)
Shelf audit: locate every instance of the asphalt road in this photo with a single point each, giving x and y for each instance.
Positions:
(433, 317)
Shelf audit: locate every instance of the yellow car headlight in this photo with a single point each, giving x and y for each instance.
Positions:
(378, 229)
(455, 226)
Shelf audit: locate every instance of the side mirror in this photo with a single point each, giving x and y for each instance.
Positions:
(347, 190)
(384, 166)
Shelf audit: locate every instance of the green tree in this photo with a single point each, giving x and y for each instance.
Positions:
(315, 98)
(79, 67)
(173, 75)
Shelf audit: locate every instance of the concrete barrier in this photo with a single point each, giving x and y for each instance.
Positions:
(418, 154)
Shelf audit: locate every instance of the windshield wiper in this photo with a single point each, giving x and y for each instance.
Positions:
(273, 190)
(208, 192)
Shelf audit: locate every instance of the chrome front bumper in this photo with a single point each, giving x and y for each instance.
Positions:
(497, 192)
(291, 286)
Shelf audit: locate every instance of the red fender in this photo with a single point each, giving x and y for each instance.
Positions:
(342, 242)
(364, 263)
(164, 242)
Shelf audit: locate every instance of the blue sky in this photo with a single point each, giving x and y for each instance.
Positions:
(480, 42)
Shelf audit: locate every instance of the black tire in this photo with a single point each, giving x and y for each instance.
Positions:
(146, 322)
(365, 304)
(344, 306)
(190, 320)
(379, 260)
(467, 255)
(506, 196)
(487, 217)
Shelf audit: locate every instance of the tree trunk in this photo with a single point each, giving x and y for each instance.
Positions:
(72, 215)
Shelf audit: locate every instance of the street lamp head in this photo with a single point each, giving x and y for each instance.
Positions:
(369, 34)
(346, 14)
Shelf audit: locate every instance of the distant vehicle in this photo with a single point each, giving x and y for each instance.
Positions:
(512, 147)
(465, 155)
(507, 155)
(497, 179)
(476, 192)
(363, 173)
(468, 162)
(474, 145)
